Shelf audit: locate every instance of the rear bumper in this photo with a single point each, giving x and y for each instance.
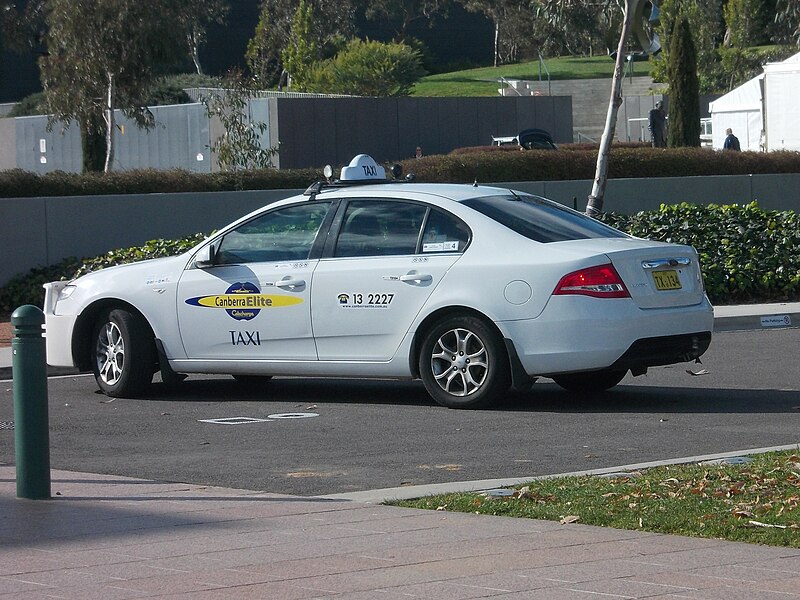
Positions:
(665, 350)
(576, 334)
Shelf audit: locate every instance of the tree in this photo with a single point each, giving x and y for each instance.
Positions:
(684, 89)
(504, 15)
(101, 56)
(567, 26)
(594, 205)
(301, 52)
(334, 23)
(194, 17)
(366, 68)
(405, 12)
(707, 28)
(20, 27)
(745, 23)
(240, 146)
(787, 21)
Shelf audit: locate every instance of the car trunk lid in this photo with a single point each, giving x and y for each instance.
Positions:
(657, 275)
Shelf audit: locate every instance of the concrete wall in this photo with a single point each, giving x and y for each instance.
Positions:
(42, 231)
(42, 151)
(628, 196)
(309, 132)
(8, 148)
(313, 132)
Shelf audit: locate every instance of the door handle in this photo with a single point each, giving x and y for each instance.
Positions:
(291, 284)
(417, 277)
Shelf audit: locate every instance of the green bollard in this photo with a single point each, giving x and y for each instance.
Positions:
(31, 423)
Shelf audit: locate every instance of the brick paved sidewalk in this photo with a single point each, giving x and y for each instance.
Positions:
(111, 537)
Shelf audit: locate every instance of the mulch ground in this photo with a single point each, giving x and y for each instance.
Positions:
(5, 331)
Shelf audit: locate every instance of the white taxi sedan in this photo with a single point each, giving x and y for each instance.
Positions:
(471, 289)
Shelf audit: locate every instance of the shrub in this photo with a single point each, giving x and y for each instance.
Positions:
(27, 288)
(29, 106)
(568, 163)
(748, 254)
(486, 164)
(367, 68)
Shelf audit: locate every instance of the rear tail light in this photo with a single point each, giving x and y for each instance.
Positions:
(602, 281)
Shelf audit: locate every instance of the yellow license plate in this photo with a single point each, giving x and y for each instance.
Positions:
(667, 280)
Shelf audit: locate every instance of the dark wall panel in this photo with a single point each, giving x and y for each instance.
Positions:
(314, 132)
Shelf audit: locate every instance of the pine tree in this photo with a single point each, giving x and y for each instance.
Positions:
(684, 89)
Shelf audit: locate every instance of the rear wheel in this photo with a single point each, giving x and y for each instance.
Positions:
(591, 381)
(124, 354)
(463, 363)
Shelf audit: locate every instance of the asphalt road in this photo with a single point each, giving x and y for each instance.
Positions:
(369, 435)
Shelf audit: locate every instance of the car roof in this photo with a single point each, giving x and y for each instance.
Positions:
(451, 191)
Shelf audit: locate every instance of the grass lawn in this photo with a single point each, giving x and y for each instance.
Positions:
(483, 81)
(755, 502)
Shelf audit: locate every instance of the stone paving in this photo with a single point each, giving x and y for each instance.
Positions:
(108, 537)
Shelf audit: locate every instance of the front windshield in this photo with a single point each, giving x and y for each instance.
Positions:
(540, 219)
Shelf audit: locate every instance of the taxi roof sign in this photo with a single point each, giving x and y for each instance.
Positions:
(363, 168)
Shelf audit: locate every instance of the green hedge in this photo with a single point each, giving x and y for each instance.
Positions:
(26, 288)
(748, 254)
(16, 183)
(486, 165)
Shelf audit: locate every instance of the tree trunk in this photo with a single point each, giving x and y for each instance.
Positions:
(110, 124)
(496, 40)
(594, 205)
(194, 51)
(93, 143)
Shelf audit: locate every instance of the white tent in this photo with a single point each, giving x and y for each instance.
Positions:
(763, 113)
(741, 110)
(781, 104)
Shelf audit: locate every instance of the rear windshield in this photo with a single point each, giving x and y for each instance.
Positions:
(541, 220)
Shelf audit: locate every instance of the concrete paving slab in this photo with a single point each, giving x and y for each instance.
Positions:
(127, 538)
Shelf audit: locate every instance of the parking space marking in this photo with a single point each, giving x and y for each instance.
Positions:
(234, 421)
(303, 415)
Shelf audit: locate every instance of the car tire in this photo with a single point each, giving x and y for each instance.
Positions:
(591, 381)
(124, 357)
(463, 363)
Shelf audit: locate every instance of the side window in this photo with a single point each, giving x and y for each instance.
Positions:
(444, 233)
(277, 236)
(380, 228)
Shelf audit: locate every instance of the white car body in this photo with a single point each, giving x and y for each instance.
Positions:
(332, 314)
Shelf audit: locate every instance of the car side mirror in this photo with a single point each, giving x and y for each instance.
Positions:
(205, 256)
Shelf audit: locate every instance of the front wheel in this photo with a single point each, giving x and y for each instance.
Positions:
(463, 363)
(591, 381)
(124, 354)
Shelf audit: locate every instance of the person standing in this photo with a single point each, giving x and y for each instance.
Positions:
(658, 126)
(731, 141)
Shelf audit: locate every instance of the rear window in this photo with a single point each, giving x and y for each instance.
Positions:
(540, 219)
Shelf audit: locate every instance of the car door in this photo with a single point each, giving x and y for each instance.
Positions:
(387, 260)
(253, 300)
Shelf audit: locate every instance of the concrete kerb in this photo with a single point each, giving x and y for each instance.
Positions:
(420, 491)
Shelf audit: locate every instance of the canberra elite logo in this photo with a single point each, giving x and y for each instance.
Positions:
(243, 301)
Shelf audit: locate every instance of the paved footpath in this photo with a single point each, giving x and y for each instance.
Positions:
(110, 537)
